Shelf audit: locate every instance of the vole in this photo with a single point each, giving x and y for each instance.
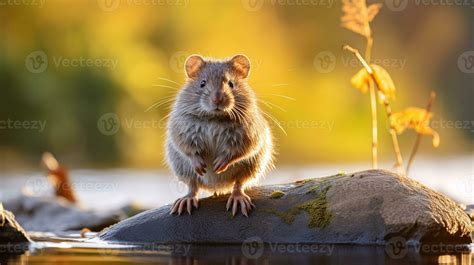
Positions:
(217, 137)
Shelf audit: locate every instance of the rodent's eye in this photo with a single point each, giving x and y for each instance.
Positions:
(231, 84)
(203, 83)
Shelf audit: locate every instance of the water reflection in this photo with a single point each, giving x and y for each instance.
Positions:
(91, 253)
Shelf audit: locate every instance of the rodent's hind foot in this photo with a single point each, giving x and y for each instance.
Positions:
(238, 197)
(187, 202)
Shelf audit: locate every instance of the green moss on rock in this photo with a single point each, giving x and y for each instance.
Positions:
(319, 215)
(277, 194)
(317, 210)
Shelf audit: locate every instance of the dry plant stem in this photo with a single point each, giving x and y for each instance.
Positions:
(393, 133)
(373, 107)
(396, 147)
(419, 135)
(368, 49)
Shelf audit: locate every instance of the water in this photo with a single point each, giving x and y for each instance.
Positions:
(74, 250)
(153, 188)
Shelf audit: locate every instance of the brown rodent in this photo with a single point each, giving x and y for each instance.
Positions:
(218, 139)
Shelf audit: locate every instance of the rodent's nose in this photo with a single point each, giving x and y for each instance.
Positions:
(218, 98)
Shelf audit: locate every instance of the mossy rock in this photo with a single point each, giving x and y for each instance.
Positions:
(277, 194)
(369, 207)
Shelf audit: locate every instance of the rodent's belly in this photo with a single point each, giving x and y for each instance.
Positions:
(212, 180)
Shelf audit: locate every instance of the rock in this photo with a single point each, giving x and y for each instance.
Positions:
(369, 207)
(50, 214)
(11, 233)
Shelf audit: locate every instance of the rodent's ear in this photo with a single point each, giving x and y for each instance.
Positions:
(241, 65)
(193, 65)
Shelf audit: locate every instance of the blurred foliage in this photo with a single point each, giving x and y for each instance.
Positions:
(149, 41)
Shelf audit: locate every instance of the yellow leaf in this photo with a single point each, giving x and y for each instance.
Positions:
(361, 80)
(416, 119)
(372, 11)
(436, 139)
(356, 17)
(384, 81)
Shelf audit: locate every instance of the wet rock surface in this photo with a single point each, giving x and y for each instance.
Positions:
(50, 214)
(369, 207)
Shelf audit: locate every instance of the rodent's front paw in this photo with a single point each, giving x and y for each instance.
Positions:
(199, 165)
(221, 164)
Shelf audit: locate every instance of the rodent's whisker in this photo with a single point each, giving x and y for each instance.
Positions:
(169, 80)
(275, 120)
(278, 95)
(159, 103)
(165, 117)
(272, 85)
(271, 105)
(165, 86)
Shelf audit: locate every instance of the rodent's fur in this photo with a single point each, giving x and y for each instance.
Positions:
(235, 132)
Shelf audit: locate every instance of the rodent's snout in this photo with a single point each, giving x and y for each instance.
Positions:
(219, 101)
(218, 98)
